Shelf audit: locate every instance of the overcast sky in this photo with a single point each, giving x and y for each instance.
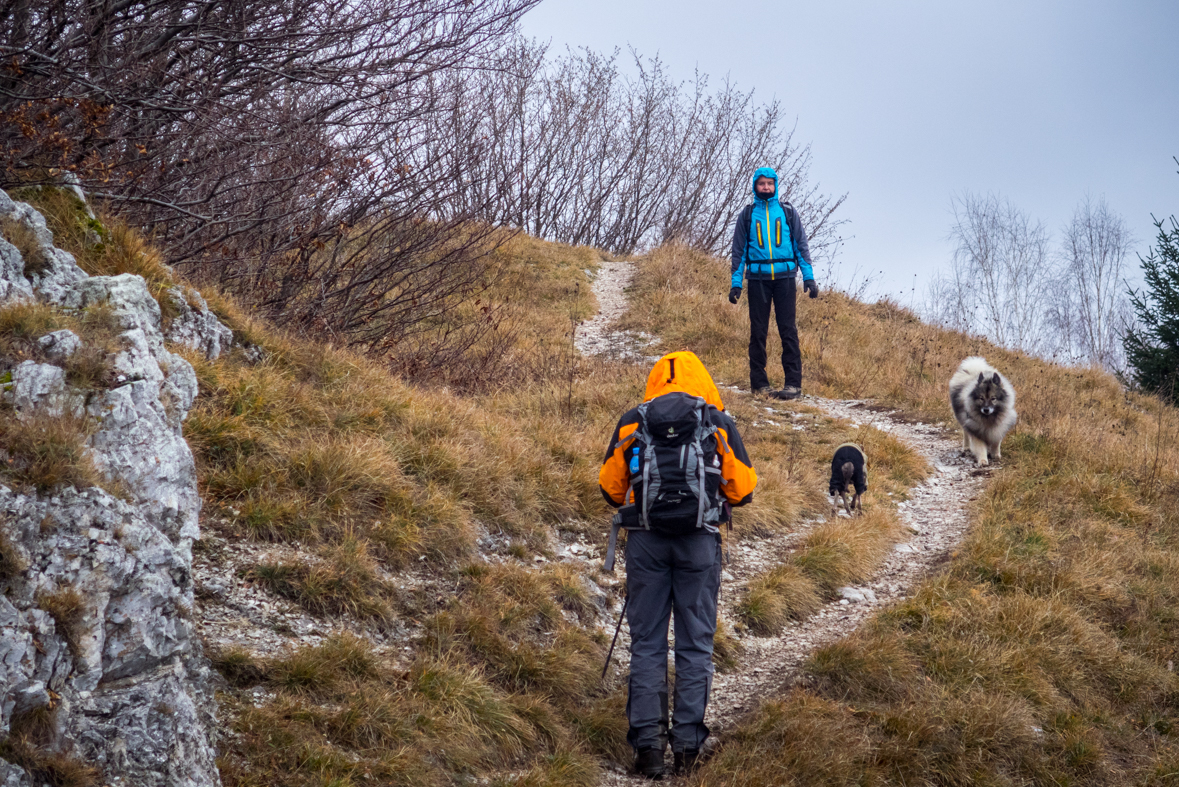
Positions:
(908, 103)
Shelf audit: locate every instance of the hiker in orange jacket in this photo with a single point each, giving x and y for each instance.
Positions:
(675, 465)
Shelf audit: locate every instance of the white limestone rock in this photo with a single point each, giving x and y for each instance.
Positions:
(39, 386)
(13, 284)
(195, 326)
(856, 595)
(60, 270)
(122, 677)
(132, 693)
(60, 345)
(140, 441)
(13, 775)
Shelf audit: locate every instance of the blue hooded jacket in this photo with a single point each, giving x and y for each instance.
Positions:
(768, 238)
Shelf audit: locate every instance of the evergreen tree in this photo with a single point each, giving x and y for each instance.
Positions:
(1152, 347)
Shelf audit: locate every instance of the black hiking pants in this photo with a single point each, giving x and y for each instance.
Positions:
(782, 295)
(666, 574)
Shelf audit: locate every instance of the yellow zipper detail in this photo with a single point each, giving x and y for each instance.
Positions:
(771, 244)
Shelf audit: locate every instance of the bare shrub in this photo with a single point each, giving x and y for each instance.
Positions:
(575, 149)
(342, 166)
(284, 150)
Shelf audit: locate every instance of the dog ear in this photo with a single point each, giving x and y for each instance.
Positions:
(981, 378)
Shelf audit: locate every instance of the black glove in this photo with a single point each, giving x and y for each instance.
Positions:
(734, 294)
(809, 286)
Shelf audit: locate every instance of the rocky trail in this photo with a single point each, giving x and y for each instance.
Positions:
(936, 517)
(595, 337)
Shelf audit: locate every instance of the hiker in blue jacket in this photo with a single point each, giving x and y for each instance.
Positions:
(769, 243)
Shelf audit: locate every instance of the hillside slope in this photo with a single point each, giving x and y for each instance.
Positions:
(447, 545)
(1043, 652)
(401, 583)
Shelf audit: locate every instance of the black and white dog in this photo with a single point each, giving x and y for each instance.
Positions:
(849, 466)
(984, 404)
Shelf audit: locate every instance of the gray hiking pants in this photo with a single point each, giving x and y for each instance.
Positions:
(665, 573)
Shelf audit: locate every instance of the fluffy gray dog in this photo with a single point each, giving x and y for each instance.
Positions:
(984, 404)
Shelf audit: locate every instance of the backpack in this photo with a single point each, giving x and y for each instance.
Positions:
(675, 470)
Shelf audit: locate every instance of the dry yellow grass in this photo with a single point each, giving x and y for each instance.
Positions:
(1040, 654)
(326, 448)
(30, 743)
(679, 295)
(25, 242)
(67, 607)
(22, 323)
(38, 450)
(42, 452)
(503, 683)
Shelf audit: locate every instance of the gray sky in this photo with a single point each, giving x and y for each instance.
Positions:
(907, 103)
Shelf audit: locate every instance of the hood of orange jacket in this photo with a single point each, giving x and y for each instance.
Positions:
(682, 371)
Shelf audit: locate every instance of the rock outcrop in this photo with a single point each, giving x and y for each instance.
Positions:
(97, 590)
(195, 326)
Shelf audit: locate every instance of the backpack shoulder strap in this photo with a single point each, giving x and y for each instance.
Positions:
(791, 221)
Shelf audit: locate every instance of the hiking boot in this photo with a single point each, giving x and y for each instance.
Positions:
(686, 761)
(765, 392)
(787, 393)
(649, 763)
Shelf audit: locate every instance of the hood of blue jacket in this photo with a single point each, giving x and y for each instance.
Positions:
(764, 172)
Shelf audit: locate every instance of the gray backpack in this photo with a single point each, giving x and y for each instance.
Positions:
(675, 471)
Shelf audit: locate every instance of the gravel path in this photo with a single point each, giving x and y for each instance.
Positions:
(595, 337)
(936, 515)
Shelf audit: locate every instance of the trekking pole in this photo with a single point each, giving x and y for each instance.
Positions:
(618, 628)
(728, 556)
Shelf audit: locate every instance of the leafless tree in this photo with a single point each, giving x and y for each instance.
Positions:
(1000, 276)
(345, 165)
(1089, 309)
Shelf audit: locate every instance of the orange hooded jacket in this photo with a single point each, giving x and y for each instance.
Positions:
(680, 371)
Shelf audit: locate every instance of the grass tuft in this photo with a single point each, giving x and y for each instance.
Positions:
(43, 452)
(89, 367)
(25, 241)
(603, 726)
(67, 607)
(240, 667)
(726, 649)
(21, 324)
(783, 593)
(845, 551)
(322, 668)
(345, 582)
(1058, 606)
(48, 767)
(12, 561)
(100, 248)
